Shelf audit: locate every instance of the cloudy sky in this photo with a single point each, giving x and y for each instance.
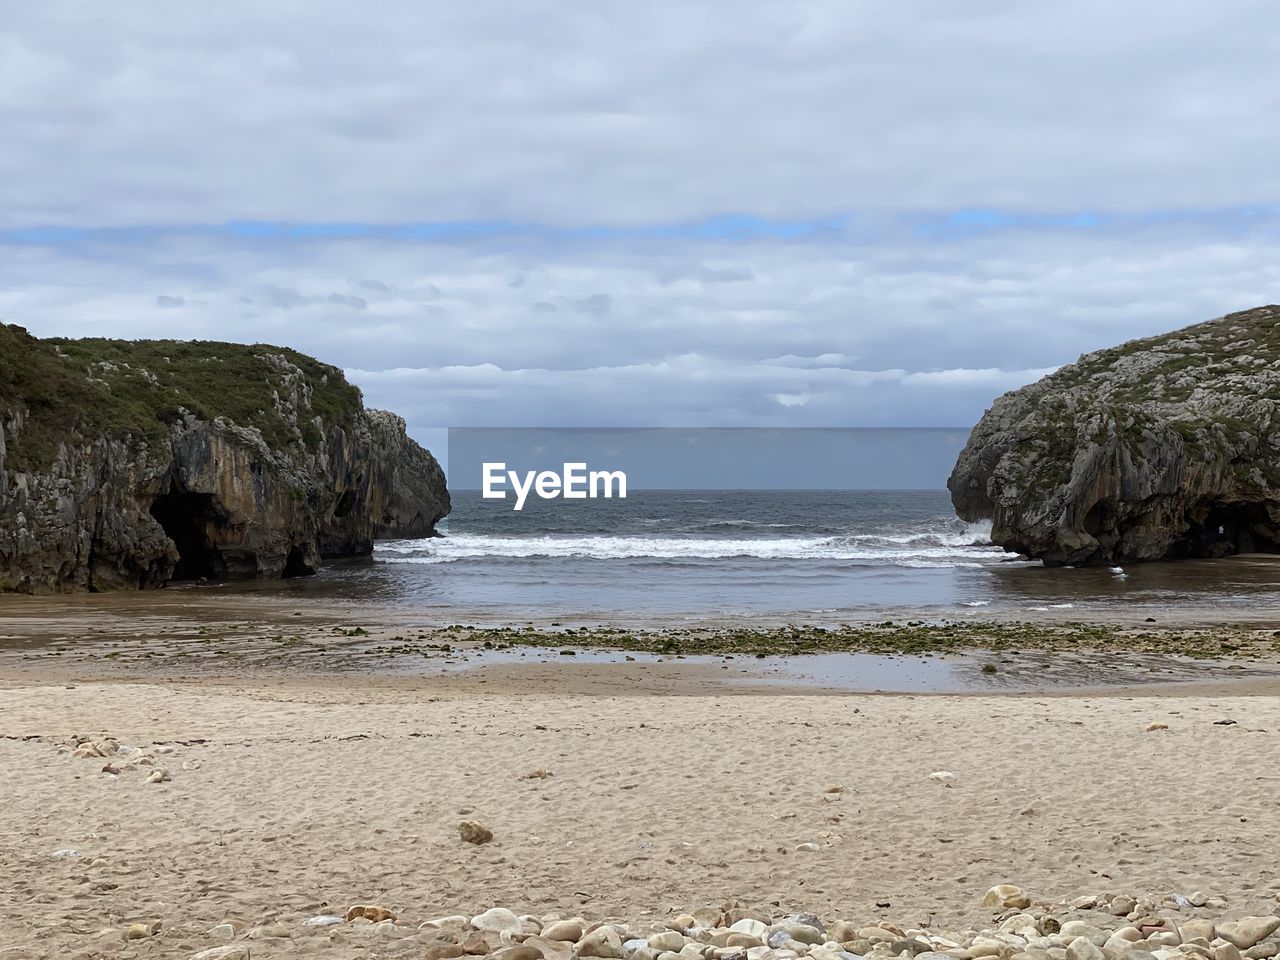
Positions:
(695, 213)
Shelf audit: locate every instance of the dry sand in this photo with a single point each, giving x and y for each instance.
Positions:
(310, 797)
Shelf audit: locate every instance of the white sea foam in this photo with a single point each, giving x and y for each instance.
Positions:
(922, 550)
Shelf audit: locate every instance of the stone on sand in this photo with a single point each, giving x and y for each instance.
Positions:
(803, 932)
(604, 942)
(1122, 905)
(1197, 928)
(1007, 896)
(519, 951)
(751, 928)
(234, 951)
(1082, 948)
(373, 914)
(497, 920)
(1247, 931)
(473, 831)
(140, 931)
(666, 940)
(569, 931)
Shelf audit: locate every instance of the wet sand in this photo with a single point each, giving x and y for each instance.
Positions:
(213, 635)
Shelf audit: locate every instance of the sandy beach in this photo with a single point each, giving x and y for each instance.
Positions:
(288, 799)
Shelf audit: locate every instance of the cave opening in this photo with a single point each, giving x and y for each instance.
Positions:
(295, 564)
(1225, 529)
(1101, 517)
(186, 519)
(345, 503)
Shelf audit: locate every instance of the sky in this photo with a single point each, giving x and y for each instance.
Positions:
(694, 213)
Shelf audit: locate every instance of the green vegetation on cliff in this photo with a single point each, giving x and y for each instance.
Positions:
(135, 388)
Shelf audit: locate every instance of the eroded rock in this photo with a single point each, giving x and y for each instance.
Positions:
(1164, 447)
(128, 464)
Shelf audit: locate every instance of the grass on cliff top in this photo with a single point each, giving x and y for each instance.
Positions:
(135, 388)
(1187, 357)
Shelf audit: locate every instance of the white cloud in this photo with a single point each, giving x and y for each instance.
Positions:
(913, 333)
(626, 113)
(878, 120)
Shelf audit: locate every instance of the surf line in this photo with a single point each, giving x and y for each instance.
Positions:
(573, 482)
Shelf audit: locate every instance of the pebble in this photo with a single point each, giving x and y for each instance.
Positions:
(1198, 928)
(497, 920)
(368, 912)
(1084, 928)
(233, 951)
(275, 931)
(473, 831)
(1006, 895)
(667, 940)
(569, 931)
(602, 942)
(1082, 948)
(140, 931)
(1122, 906)
(521, 951)
(802, 932)
(750, 928)
(1247, 931)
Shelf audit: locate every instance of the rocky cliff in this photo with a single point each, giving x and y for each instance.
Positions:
(1164, 447)
(126, 464)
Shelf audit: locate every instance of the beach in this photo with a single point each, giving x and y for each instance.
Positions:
(611, 792)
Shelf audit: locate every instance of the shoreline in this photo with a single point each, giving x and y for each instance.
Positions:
(209, 636)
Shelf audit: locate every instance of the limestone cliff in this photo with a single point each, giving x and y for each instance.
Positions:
(1164, 447)
(126, 464)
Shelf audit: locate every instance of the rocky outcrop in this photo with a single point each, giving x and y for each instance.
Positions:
(1160, 448)
(129, 464)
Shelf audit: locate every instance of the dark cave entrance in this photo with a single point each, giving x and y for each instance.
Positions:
(295, 564)
(345, 503)
(1225, 529)
(186, 518)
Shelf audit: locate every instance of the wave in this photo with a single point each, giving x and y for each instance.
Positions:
(906, 550)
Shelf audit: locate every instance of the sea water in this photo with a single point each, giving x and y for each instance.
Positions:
(820, 555)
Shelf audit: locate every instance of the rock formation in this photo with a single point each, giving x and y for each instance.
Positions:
(1160, 448)
(128, 464)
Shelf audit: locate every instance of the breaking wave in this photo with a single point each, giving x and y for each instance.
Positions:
(950, 543)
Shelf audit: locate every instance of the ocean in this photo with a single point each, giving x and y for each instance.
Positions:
(817, 556)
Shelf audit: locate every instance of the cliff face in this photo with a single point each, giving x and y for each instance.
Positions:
(1165, 447)
(127, 464)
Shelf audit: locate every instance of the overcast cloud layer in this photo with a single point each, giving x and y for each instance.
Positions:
(694, 213)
